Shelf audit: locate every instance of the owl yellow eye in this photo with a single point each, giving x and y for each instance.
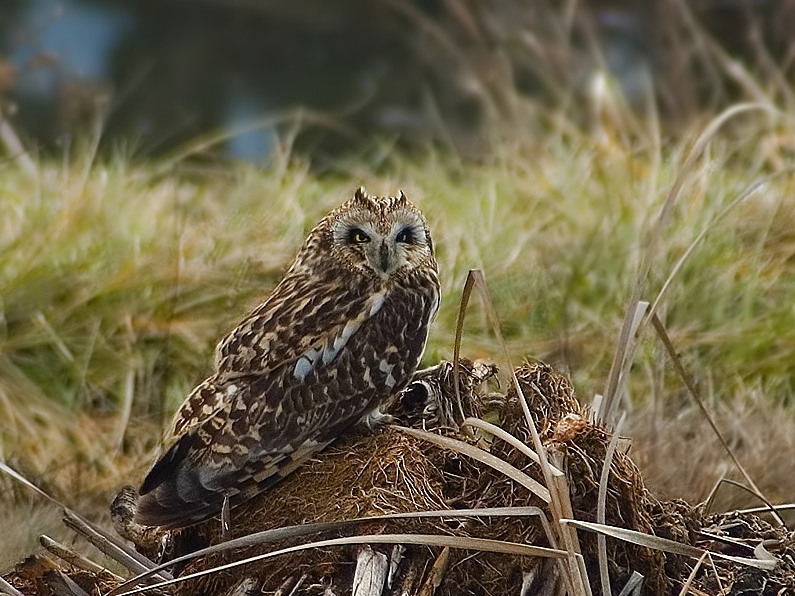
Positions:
(356, 236)
(406, 235)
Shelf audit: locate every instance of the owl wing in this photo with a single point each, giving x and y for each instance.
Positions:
(301, 323)
(225, 456)
(301, 316)
(234, 434)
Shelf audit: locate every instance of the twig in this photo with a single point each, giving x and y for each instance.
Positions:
(436, 574)
(73, 558)
(114, 548)
(111, 546)
(63, 585)
(370, 574)
(7, 588)
(395, 558)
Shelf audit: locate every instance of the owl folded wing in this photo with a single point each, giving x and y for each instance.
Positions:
(232, 433)
(294, 321)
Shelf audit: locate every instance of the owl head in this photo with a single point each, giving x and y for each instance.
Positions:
(381, 238)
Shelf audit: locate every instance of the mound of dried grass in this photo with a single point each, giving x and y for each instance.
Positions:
(392, 472)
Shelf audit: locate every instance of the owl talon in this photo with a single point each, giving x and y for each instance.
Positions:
(376, 418)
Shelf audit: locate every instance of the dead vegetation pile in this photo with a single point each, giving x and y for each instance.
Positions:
(366, 492)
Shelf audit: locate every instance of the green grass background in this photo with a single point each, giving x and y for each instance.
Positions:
(118, 278)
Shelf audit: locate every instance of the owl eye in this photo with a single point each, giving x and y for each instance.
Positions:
(406, 235)
(356, 236)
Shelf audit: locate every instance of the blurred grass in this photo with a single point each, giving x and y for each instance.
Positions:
(117, 280)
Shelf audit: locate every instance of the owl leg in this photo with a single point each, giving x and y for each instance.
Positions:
(375, 418)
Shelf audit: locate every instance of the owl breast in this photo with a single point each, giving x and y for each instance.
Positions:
(320, 395)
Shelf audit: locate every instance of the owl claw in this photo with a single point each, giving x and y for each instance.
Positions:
(376, 418)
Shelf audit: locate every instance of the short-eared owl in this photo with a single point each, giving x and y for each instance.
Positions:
(341, 333)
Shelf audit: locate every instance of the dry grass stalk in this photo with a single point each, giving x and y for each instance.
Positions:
(9, 589)
(660, 328)
(73, 558)
(554, 480)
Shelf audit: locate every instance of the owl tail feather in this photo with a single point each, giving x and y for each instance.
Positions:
(167, 465)
(182, 503)
(150, 512)
(180, 491)
(172, 494)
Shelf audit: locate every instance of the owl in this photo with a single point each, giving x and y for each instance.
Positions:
(341, 334)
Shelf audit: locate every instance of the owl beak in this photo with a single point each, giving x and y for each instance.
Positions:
(384, 258)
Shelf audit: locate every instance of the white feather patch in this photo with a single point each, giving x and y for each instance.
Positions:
(385, 367)
(376, 302)
(305, 364)
(307, 361)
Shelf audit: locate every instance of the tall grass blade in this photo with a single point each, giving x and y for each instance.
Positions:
(277, 534)
(28, 484)
(741, 198)
(556, 482)
(784, 507)
(625, 346)
(507, 437)
(666, 545)
(693, 391)
(458, 542)
(601, 506)
(482, 456)
(466, 293)
(769, 507)
(15, 148)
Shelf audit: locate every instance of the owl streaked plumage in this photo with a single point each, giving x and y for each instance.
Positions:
(342, 333)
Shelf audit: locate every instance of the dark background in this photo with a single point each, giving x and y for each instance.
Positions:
(153, 75)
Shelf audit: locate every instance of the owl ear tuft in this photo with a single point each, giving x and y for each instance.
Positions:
(361, 195)
(401, 198)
